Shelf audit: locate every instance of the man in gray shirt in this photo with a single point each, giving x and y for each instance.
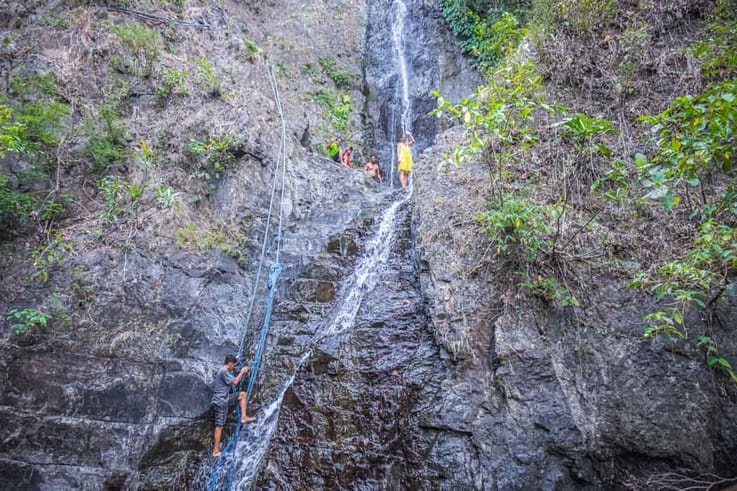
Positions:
(221, 398)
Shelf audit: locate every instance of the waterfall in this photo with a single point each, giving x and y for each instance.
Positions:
(398, 27)
(251, 449)
(401, 61)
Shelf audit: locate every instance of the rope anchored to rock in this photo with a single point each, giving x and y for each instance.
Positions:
(274, 273)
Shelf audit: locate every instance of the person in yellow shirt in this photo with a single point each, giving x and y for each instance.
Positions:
(404, 157)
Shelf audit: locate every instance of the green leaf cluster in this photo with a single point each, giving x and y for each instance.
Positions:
(341, 78)
(694, 136)
(23, 321)
(490, 34)
(106, 138)
(173, 82)
(717, 52)
(117, 194)
(143, 43)
(516, 226)
(209, 78)
(216, 152)
(32, 118)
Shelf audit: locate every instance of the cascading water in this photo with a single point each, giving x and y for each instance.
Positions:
(401, 62)
(398, 29)
(252, 447)
(253, 444)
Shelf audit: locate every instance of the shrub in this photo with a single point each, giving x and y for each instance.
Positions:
(341, 78)
(143, 43)
(208, 77)
(339, 108)
(31, 122)
(166, 197)
(106, 138)
(23, 321)
(48, 255)
(14, 205)
(117, 194)
(517, 226)
(489, 36)
(251, 49)
(718, 51)
(173, 82)
(216, 152)
(695, 136)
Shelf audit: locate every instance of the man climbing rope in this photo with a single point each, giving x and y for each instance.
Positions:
(221, 398)
(404, 157)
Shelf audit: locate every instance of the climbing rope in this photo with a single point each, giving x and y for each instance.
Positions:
(274, 273)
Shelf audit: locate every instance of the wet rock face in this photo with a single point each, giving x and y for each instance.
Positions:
(353, 417)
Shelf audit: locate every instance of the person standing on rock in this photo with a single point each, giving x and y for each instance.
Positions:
(347, 157)
(404, 157)
(335, 150)
(222, 398)
(372, 168)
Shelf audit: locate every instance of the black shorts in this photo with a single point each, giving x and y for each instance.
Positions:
(220, 411)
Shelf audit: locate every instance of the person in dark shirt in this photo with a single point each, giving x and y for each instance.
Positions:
(221, 398)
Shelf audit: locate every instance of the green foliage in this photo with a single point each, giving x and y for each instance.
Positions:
(614, 182)
(489, 37)
(339, 108)
(498, 119)
(584, 127)
(713, 359)
(695, 280)
(31, 118)
(13, 204)
(718, 50)
(588, 134)
(550, 290)
(49, 255)
(117, 194)
(695, 136)
(341, 78)
(216, 153)
(583, 18)
(32, 121)
(209, 78)
(23, 321)
(143, 43)
(166, 197)
(106, 138)
(173, 82)
(251, 50)
(516, 226)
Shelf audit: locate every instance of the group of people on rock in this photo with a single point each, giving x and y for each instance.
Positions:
(404, 158)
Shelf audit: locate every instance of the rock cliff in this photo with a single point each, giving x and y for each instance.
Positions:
(399, 357)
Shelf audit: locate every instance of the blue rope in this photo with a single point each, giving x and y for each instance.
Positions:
(274, 273)
(273, 279)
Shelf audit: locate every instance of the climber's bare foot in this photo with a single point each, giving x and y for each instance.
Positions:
(246, 420)
(216, 454)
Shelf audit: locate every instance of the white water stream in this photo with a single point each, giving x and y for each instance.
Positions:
(250, 450)
(398, 39)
